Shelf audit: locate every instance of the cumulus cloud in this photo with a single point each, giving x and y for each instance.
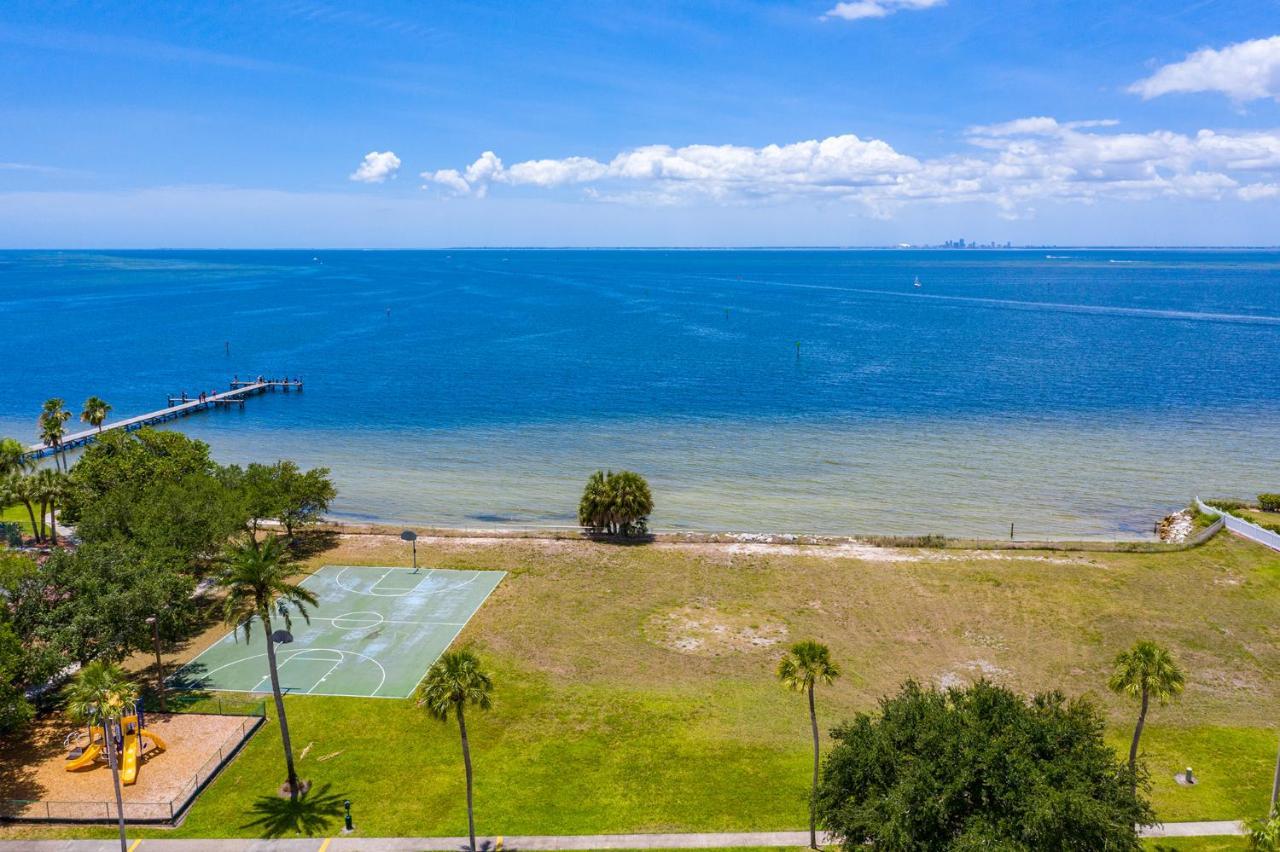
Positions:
(858, 10)
(1012, 164)
(376, 167)
(1244, 71)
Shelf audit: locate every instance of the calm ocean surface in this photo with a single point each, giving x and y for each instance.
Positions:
(1083, 394)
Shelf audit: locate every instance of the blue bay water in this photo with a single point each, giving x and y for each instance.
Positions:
(1082, 394)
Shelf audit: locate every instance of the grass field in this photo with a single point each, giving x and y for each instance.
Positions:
(635, 687)
(18, 515)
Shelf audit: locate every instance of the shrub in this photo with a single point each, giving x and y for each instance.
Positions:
(1228, 504)
(1269, 502)
(616, 503)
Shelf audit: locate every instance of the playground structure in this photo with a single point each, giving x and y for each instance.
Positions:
(135, 742)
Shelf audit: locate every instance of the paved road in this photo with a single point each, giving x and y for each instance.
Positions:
(571, 842)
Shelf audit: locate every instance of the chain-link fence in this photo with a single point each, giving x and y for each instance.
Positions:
(43, 810)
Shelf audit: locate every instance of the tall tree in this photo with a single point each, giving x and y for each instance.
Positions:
(51, 488)
(979, 768)
(257, 582)
(802, 668)
(52, 422)
(453, 682)
(1145, 671)
(95, 412)
(16, 488)
(304, 495)
(91, 603)
(102, 690)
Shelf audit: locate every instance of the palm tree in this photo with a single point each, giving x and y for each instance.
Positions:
(1144, 672)
(257, 581)
(101, 690)
(800, 669)
(17, 488)
(53, 418)
(12, 456)
(50, 487)
(454, 681)
(95, 412)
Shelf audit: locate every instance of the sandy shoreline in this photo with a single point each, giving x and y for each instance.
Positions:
(876, 547)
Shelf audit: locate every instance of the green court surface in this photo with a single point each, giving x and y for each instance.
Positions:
(375, 633)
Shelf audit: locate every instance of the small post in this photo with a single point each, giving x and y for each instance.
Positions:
(346, 818)
(155, 636)
(1011, 531)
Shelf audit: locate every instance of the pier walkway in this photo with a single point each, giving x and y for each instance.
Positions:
(178, 407)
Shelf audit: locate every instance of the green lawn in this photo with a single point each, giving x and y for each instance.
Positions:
(635, 685)
(17, 514)
(1198, 844)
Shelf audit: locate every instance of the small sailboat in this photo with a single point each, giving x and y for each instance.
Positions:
(917, 281)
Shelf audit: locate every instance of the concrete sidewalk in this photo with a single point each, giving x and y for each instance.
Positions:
(514, 843)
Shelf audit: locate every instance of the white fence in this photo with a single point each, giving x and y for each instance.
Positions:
(1240, 526)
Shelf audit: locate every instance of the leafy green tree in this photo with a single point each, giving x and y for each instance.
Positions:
(802, 668)
(257, 582)
(187, 521)
(1144, 672)
(12, 457)
(15, 710)
(132, 462)
(258, 490)
(304, 495)
(95, 412)
(101, 690)
(979, 768)
(453, 682)
(616, 503)
(92, 603)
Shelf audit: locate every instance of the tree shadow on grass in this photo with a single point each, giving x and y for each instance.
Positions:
(313, 813)
(309, 543)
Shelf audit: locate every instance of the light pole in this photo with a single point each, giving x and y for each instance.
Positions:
(155, 637)
(411, 536)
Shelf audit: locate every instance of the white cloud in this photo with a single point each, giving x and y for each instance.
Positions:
(858, 10)
(376, 167)
(1244, 71)
(1258, 191)
(1012, 165)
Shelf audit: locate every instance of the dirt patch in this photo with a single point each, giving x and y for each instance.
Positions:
(962, 674)
(706, 631)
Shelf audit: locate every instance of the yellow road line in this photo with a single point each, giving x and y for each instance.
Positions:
(323, 846)
(134, 844)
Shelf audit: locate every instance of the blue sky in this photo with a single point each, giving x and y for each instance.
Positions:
(295, 123)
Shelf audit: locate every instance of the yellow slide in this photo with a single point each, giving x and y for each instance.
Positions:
(87, 758)
(132, 751)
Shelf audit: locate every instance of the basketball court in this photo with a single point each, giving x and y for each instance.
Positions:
(374, 634)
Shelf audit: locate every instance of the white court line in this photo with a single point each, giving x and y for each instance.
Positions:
(388, 621)
(502, 576)
(324, 570)
(286, 661)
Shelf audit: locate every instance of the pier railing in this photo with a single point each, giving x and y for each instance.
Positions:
(179, 406)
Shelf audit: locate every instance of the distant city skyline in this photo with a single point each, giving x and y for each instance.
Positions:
(866, 123)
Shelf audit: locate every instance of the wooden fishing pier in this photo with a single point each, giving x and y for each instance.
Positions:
(179, 406)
